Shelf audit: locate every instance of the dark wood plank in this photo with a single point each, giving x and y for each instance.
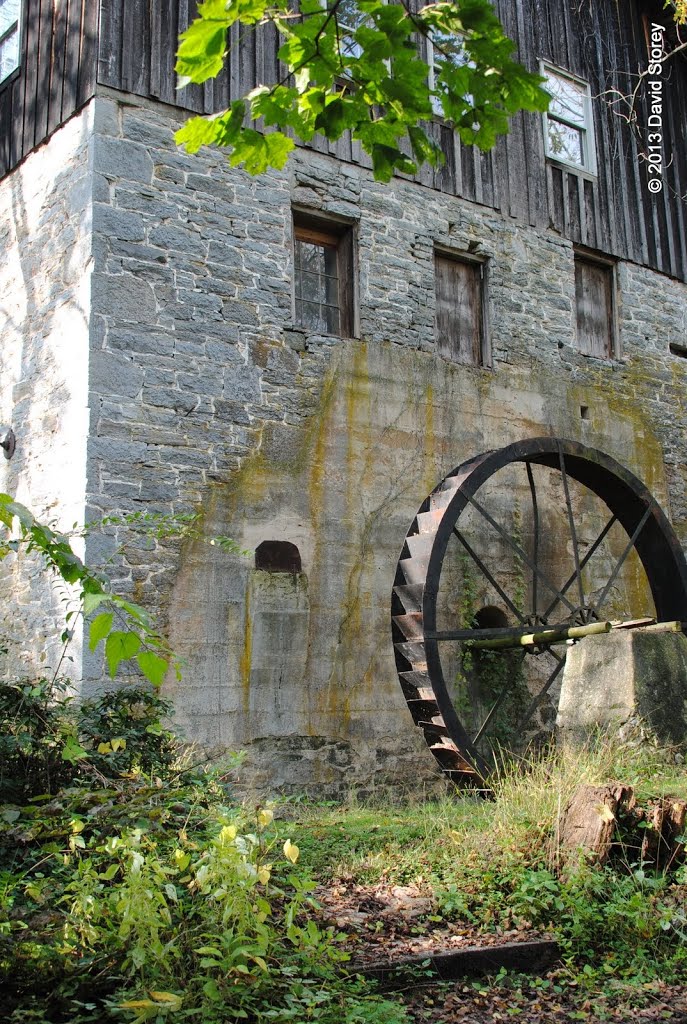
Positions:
(110, 41)
(129, 30)
(59, 41)
(29, 72)
(6, 129)
(590, 222)
(557, 204)
(445, 173)
(571, 198)
(88, 62)
(71, 58)
(45, 31)
(535, 957)
(139, 12)
(190, 98)
(530, 125)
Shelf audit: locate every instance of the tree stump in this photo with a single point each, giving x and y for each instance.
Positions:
(606, 820)
(589, 820)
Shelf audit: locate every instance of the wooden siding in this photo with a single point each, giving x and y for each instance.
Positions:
(56, 77)
(602, 42)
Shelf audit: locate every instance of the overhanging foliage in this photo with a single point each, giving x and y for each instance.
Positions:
(355, 65)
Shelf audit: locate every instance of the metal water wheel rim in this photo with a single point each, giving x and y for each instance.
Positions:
(629, 502)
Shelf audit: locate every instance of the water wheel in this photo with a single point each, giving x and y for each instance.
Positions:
(512, 551)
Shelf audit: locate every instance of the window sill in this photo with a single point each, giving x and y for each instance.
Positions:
(581, 172)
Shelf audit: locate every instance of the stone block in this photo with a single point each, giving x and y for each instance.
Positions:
(179, 239)
(113, 374)
(624, 676)
(118, 158)
(118, 223)
(123, 297)
(170, 398)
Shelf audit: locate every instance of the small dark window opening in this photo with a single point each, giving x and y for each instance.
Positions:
(490, 617)
(278, 556)
(323, 276)
(595, 302)
(678, 350)
(461, 326)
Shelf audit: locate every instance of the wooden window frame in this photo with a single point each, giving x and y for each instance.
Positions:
(480, 264)
(588, 165)
(13, 27)
(589, 257)
(309, 227)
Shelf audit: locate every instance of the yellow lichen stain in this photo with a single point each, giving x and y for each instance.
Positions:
(429, 476)
(358, 422)
(610, 409)
(247, 651)
(249, 484)
(314, 451)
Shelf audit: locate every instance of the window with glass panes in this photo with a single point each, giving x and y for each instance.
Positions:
(569, 124)
(444, 46)
(323, 277)
(10, 20)
(349, 18)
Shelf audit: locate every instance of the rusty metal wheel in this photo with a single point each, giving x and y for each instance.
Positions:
(535, 538)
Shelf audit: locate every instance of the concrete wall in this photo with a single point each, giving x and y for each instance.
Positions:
(45, 272)
(205, 397)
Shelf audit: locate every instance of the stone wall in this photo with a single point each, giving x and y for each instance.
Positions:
(205, 397)
(45, 241)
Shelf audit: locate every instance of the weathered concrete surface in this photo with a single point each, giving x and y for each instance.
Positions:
(627, 674)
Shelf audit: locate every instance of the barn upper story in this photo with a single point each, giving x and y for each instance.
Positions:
(584, 171)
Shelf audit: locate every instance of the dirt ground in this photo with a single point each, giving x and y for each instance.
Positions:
(386, 924)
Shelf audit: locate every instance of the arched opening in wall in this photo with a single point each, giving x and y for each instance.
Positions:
(278, 556)
(490, 617)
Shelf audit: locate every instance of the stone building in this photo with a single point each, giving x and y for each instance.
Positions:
(156, 354)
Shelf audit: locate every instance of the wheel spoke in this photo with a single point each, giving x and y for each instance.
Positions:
(535, 525)
(535, 702)
(628, 548)
(494, 708)
(483, 569)
(597, 543)
(571, 523)
(521, 554)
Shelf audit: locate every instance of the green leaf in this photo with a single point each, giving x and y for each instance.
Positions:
(211, 991)
(92, 600)
(12, 508)
(99, 629)
(153, 667)
(73, 751)
(119, 647)
(110, 873)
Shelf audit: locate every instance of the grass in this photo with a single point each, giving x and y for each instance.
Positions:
(415, 841)
(140, 890)
(494, 863)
